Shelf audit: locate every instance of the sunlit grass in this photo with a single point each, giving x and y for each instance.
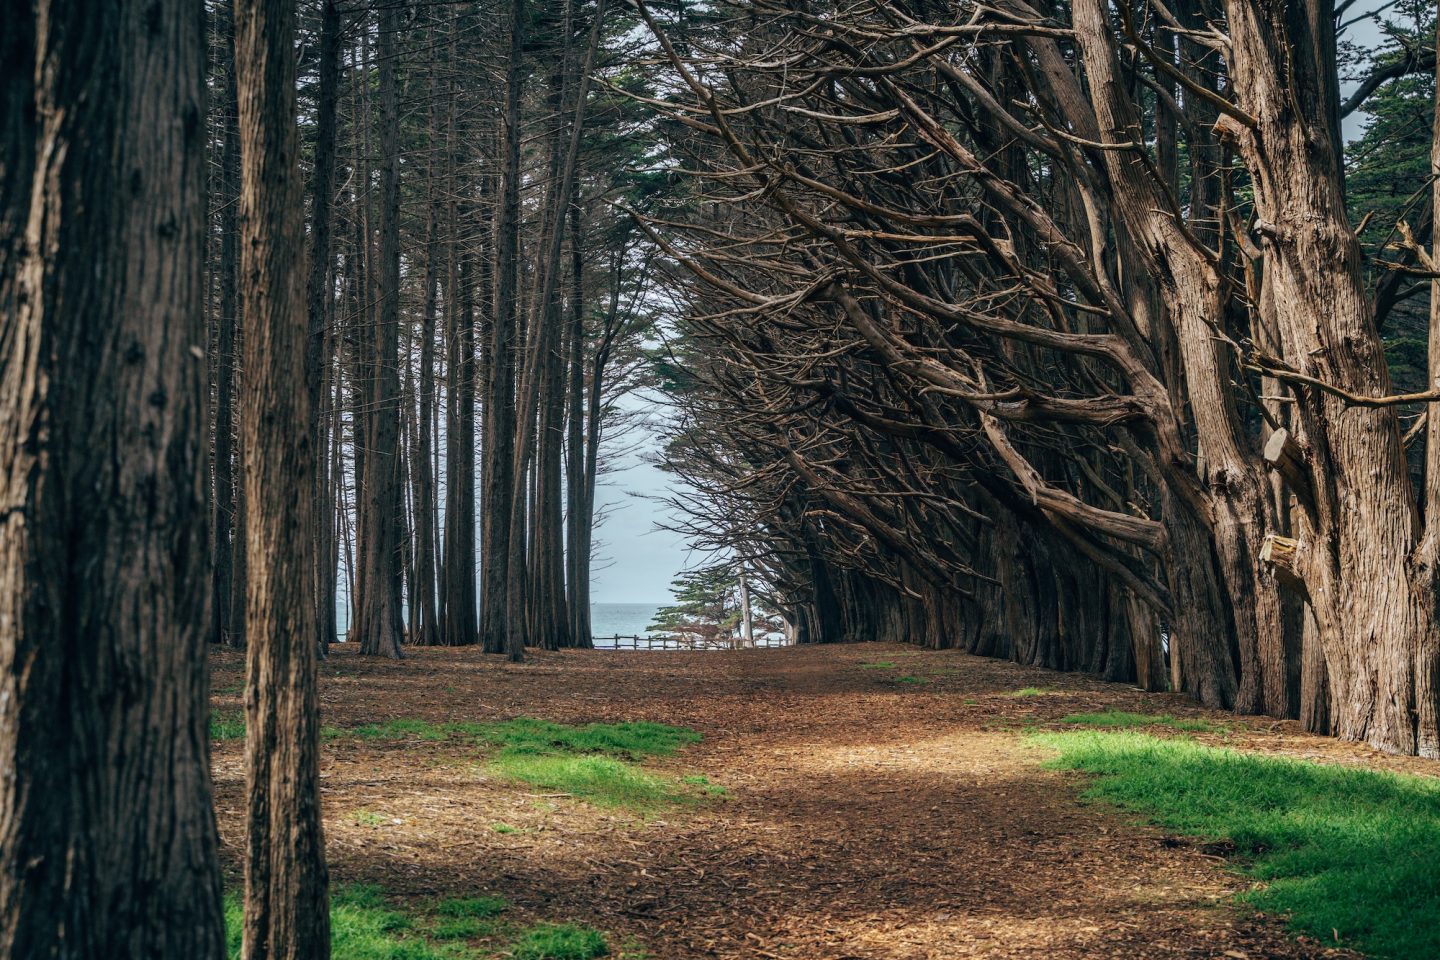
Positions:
(596, 762)
(1029, 692)
(1347, 854)
(560, 941)
(1122, 719)
(362, 927)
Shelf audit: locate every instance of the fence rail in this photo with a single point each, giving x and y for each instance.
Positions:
(670, 642)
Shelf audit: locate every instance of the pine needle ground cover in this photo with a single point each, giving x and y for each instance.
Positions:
(863, 817)
(1342, 852)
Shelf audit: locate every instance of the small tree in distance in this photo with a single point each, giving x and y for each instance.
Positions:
(709, 609)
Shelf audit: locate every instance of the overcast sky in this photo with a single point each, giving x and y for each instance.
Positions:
(635, 561)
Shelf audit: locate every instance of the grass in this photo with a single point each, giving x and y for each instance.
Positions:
(596, 762)
(1348, 855)
(226, 727)
(878, 665)
(604, 781)
(560, 941)
(1030, 692)
(504, 828)
(1122, 719)
(911, 681)
(368, 818)
(633, 741)
(482, 908)
(364, 926)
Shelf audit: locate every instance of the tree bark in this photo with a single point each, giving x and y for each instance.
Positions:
(498, 634)
(380, 624)
(1369, 577)
(286, 907)
(319, 344)
(107, 836)
(225, 498)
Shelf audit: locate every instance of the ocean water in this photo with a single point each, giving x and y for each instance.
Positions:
(624, 619)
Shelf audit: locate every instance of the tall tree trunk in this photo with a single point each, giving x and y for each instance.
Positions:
(319, 344)
(287, 913)
(577, 569)
(1367, 573)
(425, 628)
(107, 836)
(498, 633)
(380, 625)
(458, 572)
(225, 495)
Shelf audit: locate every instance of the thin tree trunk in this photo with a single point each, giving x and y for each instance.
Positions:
(107, 837)
(286, 905)
(224, 496)
(498, 633)
(380, 625)
(577, 571)
(319, 344)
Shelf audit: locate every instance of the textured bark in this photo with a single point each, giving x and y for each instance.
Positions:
(225, 495)
(107, 836)
(380, 625)
(286, 906)
(424, 617)
(577, 558)
(319, 344)
(1368, 577)
(498, 633)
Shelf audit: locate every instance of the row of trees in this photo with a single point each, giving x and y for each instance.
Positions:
(215, 422)
(476, 308)
(1048, 332)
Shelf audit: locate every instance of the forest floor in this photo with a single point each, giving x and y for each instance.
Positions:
(879, 802)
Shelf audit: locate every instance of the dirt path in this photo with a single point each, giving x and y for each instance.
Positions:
(867, 816)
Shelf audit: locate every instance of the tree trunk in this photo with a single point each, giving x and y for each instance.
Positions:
(319, 344)
(224, 498)
(497, 632)
(380, 624)
(577, 569)
(286, 907)
(1369, 578)
(107, 836)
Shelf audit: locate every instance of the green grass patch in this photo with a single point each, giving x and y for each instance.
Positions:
(482, 908)
(362, 927)
(878, 665)
(526, 734)
(597, 762)
(912, 681)
(1347, 854)
(504, 828)
(368, 818)
(1029, 692)
(560, 941)
(604, 781)
(1121, 719)
(227, 727)
(403, 730)
(633, 741)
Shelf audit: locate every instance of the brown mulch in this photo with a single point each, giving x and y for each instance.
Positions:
(865, 818)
